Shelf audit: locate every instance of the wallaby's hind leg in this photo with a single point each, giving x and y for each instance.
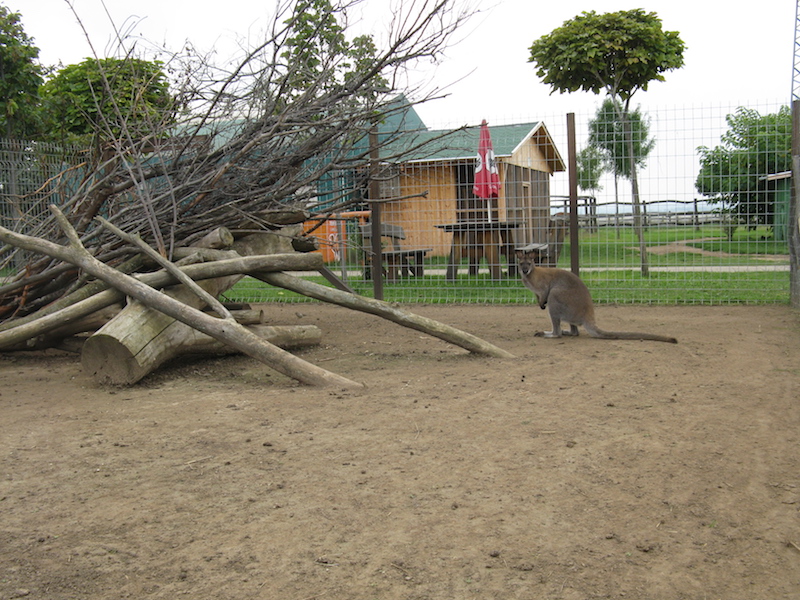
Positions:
(556, 332)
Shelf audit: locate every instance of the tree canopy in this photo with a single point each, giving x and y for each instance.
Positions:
(734, 172)
(101, 97)
(590, 162)
(607, 134)
(616, 53)
(20, 78)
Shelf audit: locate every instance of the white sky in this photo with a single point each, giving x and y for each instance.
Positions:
(738, 54)
(734, 54)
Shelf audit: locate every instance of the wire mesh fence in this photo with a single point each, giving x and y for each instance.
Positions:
(32, 175)
(709, 223)
(712, 225)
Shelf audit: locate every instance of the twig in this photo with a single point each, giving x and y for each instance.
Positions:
(399, 568)
(314, 596)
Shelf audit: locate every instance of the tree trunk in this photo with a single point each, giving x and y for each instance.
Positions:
(283, 336)
(637, 207)
(140, 339)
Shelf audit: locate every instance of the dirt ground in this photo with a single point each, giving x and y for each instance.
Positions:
(581, 469)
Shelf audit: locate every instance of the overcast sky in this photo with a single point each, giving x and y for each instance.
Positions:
(734, 54)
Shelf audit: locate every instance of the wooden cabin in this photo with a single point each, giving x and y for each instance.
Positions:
(436, 187)
(433, 182)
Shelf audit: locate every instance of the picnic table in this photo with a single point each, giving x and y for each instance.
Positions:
(481, 239)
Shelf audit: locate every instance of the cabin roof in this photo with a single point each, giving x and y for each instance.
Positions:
(426, 145)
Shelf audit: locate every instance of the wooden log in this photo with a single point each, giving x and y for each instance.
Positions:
(221, 237)
(53, 338)
(61, 337)
(225, 330)
(387, 311)
(113, 362)
(87, 291)
(248, 316)
(283, 336)
(140, 338)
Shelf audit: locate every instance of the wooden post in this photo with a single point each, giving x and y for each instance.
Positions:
(375, 219)
(794, 211)
(572, 161)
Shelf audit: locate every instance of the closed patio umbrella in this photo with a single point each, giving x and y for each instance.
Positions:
(487, 178)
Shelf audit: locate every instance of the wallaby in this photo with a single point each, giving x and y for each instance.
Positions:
(568, 299)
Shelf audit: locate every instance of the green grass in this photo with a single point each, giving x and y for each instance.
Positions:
(610, 266)
(621, 287)
(610, 248)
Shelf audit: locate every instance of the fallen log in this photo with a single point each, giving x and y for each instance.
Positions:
(283, 336)
(387, 311)
(141, 339)
(112, 362)
(62, 337)
(54, 337)
(87, 291)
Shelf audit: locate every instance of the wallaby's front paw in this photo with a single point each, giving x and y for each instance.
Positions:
(543, 306)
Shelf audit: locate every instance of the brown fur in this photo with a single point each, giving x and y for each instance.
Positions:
(568, 299)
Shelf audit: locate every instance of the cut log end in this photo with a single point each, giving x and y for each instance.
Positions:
(114, 360)
(111, 362)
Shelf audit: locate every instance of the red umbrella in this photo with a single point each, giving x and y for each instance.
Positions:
(487, 178)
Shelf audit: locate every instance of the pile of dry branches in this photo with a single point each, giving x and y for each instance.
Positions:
(246, 153)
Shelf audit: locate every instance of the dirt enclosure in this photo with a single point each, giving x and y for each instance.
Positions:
(581, 469)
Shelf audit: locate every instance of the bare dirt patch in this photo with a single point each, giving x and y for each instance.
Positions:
(685, 247)
(581, 469)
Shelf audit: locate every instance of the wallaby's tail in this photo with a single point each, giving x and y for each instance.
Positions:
(596, 332)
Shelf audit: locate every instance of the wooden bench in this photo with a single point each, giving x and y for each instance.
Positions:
(399, 261)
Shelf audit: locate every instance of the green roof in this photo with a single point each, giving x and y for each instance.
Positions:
(432, 145)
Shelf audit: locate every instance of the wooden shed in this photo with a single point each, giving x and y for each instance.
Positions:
(435, 185)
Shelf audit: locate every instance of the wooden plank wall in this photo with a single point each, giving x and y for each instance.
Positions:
(418, 216)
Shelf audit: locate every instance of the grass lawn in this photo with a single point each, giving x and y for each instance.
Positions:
(610, 266)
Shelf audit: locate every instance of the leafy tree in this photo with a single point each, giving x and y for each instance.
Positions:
(20, 78)
(320, 55)
(107, 98)
(591, 166)
(614, 53)
(607, 134)
(315, 36)
(732, 174)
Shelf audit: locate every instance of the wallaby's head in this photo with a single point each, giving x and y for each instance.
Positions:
(525, 262)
